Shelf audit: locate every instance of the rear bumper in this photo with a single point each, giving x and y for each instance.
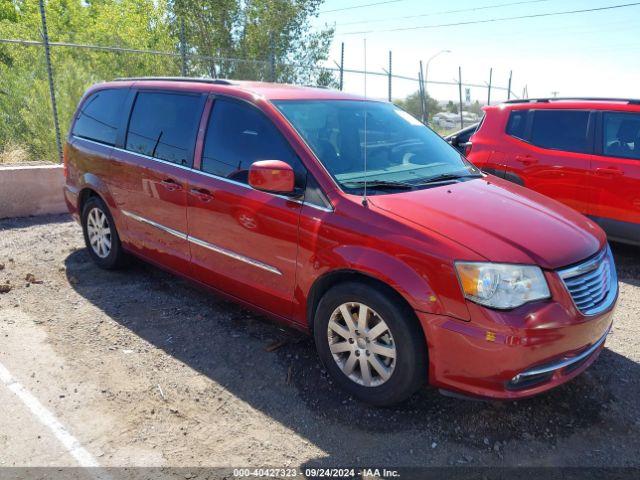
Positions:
(495, 360)
(71, 199)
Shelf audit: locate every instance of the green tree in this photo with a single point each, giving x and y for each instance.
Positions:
(452, 107)
(25, 108)
(258, 34)
(251, 31)
(476, 108)
(412, 104)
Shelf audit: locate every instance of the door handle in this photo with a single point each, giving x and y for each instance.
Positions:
(202, 193)
(526, 159)
(609, 172)
(170, 184)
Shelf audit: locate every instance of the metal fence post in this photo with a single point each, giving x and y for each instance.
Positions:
(390, 73)
(460, 90)
(509, 89)
(47, 54)
(272, 59)
(489, 88)
(341, 65)
(424, 73)
(422, 96)
(183, 48)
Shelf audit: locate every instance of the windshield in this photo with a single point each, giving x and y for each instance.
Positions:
(401, 153)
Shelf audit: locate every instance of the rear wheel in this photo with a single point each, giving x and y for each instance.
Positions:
(100, 235)
(370, 343)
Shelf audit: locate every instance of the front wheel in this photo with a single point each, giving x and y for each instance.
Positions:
(370, 343)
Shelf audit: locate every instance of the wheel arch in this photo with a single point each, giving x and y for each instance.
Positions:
(85, 194)
(330, 279)
(92, 185)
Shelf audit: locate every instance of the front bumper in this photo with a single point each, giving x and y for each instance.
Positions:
(511, 355)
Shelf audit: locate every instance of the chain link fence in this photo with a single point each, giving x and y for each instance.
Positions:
(38, 99)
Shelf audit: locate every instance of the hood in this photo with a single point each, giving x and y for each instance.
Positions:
(500, 221)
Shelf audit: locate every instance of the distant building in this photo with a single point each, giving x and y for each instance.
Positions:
(450, 120)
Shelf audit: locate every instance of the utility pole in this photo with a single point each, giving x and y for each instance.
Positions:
(509, 89)
(47, 55)
(426, 81)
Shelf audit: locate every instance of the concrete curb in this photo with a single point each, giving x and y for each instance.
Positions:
(28, 190)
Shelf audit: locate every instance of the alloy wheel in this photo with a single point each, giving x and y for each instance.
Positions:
(361, 344)
(99, 232)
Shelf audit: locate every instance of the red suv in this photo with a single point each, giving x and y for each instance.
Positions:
(582, 152)
(348, 219)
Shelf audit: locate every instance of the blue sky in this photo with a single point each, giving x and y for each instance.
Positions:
(590, 54)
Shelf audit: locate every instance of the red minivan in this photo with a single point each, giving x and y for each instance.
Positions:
(583, 152)
(348, 219)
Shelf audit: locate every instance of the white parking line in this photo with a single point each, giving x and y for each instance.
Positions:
(70, 443)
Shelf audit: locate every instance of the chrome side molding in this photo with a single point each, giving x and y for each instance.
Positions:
(140, 219)
(204, 244)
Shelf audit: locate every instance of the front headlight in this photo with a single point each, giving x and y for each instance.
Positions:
(501, 286)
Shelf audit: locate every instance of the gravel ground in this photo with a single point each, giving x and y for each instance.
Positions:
(147, 370)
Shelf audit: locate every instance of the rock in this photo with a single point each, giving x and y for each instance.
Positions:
(6, 288)
(31, 278)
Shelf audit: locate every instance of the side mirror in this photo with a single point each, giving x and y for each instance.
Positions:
(274, 176)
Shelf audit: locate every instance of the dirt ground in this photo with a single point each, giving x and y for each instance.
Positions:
(144, 369)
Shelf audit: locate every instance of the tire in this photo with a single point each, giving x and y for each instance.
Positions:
(405, 373)
(96, 214)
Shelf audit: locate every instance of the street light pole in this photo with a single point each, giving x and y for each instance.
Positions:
(426, 76)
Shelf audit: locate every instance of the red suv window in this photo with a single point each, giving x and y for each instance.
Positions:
(566, 130)
(621, 135)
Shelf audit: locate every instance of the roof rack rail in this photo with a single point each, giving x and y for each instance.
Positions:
(214, 81)
(630, 101)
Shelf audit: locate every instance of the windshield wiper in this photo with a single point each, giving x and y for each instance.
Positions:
(380, 185)
(449, 176)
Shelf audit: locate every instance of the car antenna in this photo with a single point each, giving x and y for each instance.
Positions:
(365, 203)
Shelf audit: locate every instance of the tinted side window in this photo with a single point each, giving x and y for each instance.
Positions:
(621, 135)
(561, 130)
(516, 126)
(238, 135)
(164, 126)
(99, 116)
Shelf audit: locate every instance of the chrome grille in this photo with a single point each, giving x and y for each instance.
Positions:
(593, 284)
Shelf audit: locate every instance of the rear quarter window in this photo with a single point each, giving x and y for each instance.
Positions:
(517, 123)
(99, 116)
(566, 130)
(621, 135)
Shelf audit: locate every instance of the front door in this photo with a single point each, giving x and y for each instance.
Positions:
(615, 179)
(243, 241)
(556, 160)
(151, 175)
